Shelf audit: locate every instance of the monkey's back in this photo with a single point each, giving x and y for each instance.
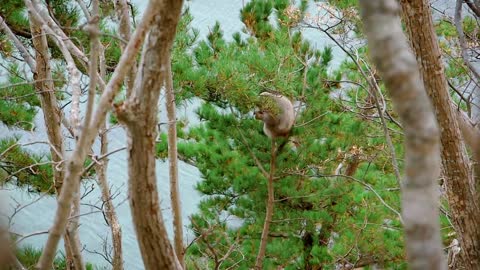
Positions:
(284, 120)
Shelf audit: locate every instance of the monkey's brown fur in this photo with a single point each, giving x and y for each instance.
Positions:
(278, 121)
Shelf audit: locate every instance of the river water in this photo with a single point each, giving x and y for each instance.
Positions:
(93, 229)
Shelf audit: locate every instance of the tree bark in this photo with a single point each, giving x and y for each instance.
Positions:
(52, 118)
(269, 210)
(123, 15)
(110, 213)
(139, 114)
(89, 132)
(395, 62)
(98, 53)
(46, 91)
(173, 166)
(101, 170)
(463, 205)
(18, 44)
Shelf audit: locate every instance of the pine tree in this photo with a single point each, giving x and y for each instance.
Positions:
(320, 219)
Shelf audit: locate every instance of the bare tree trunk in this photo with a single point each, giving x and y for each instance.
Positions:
(109, 210)
(391, 54)
(475, 95)
(173, 166)
(139, 114)
(110, 213)
(269, 210)
(71, 235)
(97, 51)
(51, 113)
(52, 118)
(463, 205)
(101, 170)
(90, 130)
(123, 15)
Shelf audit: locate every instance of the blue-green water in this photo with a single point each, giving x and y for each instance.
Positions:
(93, 229)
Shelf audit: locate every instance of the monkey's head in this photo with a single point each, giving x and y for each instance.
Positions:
(267, 107)
(276, 112)
(259, 115)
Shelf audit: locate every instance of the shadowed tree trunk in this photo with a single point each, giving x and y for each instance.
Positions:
(464, 209)
(139, 114)
(391, 55)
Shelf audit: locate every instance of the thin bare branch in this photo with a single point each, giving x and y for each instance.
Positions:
(90, 130)
(18, 44)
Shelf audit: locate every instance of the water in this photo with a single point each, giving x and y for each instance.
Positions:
(93, 229)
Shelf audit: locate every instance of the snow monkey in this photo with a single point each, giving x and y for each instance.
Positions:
(276, 112)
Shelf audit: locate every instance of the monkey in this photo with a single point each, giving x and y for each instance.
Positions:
(276, 112)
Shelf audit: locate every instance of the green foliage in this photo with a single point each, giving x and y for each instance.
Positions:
(18, 89)
(25, 168)
(14, 114)
(318, 217)
(29, 256)
(13, 11)
(17, 100)
(469, 25)
(446, 29)
(343, 4)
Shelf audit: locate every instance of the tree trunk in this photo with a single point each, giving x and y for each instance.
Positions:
(139, 114)
(75, 163)
(110, 213)
(269, 210)
(463, 205)
(123, 15)
(51, 113)
(390, 53)
(101, 169)
(173, 166)
(52, 118)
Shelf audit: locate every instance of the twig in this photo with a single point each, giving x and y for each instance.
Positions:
(19, 45)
